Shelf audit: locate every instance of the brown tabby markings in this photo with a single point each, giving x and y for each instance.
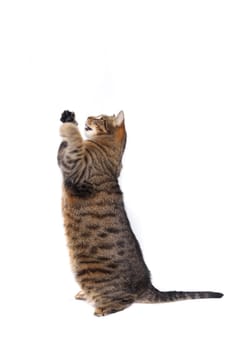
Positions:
(105, 255)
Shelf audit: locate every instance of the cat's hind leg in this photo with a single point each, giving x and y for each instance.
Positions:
(80, 296)
(112, 306)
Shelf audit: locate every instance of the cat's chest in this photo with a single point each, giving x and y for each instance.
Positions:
(105, 209)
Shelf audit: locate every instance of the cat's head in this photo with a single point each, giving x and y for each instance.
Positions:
(105, 125)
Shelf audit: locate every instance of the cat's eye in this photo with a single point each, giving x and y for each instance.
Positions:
(103, 121)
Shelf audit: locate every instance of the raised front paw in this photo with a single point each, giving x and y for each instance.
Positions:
(68, 117)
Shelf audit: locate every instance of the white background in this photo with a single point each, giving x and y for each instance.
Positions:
(168, 65)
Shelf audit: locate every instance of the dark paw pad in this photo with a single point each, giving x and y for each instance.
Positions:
(68, 117)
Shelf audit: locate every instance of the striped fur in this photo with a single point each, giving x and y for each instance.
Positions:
(105, 255)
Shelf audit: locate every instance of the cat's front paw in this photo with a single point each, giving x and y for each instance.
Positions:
(68, 117)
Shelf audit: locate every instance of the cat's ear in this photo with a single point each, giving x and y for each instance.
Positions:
(119, 119)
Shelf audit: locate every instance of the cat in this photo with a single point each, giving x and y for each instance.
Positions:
(105, 255)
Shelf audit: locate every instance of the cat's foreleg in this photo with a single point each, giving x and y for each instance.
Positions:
(71, 148)
(71, 134)
(69, 131)
(71, 154)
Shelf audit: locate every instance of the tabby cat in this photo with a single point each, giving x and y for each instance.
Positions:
(105, 255)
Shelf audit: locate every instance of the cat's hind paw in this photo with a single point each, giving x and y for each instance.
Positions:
(80, 296)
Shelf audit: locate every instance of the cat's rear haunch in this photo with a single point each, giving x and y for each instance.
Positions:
(105, 255)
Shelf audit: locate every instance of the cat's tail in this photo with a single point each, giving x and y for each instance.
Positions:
(153, 295)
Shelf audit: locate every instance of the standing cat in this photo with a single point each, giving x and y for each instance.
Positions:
(105, 255)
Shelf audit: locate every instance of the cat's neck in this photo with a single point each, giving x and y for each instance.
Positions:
(113, 148)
